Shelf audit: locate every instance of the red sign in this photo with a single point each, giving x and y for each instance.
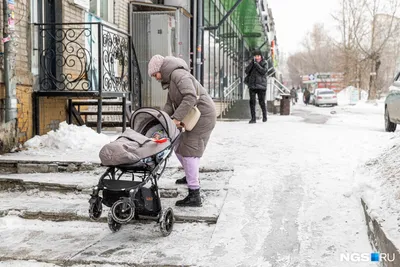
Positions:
(335, 86)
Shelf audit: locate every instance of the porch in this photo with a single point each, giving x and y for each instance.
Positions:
(89, 68)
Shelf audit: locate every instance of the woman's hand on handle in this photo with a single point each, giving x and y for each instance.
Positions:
(177, 123)
(180, 125)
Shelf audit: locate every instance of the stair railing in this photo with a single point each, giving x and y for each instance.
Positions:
(277, 88)
(231, 94)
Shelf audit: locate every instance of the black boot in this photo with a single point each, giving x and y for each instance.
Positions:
(265, 119)
(191, 200)
(252, 106)
(181, 180)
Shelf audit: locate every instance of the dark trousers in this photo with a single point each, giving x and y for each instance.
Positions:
(307, 100)
(261, 101)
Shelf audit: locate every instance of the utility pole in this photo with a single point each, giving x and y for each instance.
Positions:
(9, 60)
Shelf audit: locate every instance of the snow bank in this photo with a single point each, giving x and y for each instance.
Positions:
(68, 137)
(379, 185)
(350, 96)
(71, 142)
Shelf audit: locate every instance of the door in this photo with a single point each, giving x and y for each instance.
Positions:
(155, 29)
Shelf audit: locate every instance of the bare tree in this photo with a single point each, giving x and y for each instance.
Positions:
(347, 53)
(375, 24)
(317, 56)
(319, 49)
(296, 64)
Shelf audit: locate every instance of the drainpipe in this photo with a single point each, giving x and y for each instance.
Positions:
(9, 69)
(199, 39)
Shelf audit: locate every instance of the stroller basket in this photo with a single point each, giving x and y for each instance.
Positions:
(119, 185)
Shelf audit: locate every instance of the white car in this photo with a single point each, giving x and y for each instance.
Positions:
(392, 106)
(324, 96)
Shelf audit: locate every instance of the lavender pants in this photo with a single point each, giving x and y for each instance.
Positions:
(191, 167)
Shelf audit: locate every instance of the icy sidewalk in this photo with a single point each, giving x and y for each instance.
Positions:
(64, 196)
(279, 209)
(45, 218)
(92, 243)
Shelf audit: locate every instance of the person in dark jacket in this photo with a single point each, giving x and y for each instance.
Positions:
(183, 88)
(257, 82)
(293, 95)
(307, 96)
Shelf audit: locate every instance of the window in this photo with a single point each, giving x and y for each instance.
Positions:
(103, 9)
(326, 93)
(35, 18)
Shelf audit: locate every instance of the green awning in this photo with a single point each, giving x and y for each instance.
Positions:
(246, 19)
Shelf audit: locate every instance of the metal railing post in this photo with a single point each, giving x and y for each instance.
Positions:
(101, 71)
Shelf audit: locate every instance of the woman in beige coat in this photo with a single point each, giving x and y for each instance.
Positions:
(183, 88)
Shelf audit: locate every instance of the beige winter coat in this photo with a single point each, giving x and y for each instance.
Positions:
(182, 95)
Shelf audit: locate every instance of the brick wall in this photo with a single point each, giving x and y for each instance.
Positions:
(20, 130)
(72, 13)
(121, 14)
(21, 42)
(52, 110)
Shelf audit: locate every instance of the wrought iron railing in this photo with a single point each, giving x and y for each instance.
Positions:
(83, 57)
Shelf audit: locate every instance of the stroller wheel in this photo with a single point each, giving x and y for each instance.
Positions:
(95, 208)
(112, 224)
(167, 221)
(123, 211)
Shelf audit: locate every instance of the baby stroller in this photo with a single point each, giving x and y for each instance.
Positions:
(135, 161)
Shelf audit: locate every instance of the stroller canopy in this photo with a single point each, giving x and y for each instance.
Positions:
(147, 120)
(139, 142)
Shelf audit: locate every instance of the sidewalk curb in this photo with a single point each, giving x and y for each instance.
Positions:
(54, 166)
(73, 262)
(378, 238)
(35, 166)
(72, 216)
(21, 185)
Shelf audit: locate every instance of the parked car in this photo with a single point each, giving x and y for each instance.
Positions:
(312, 99)
(392, 106)
(324, 96)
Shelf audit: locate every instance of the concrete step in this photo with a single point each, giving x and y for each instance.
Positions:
(240, 110)
(22, 165)
(84, 181)
(55, 206)
(64, 196)
(83, 243)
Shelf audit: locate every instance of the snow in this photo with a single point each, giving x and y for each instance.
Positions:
(294, 196)
(69, 142)
(350, 95)
(68, 137)
(378, 184)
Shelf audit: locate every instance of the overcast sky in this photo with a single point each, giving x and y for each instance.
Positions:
(294, 18)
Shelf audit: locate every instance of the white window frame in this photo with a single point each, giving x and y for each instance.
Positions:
(97, 6)
(35, 38)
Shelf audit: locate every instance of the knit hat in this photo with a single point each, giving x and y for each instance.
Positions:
(155, 64)
(257, 52)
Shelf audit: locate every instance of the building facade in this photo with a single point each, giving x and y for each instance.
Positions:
(53, 51)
